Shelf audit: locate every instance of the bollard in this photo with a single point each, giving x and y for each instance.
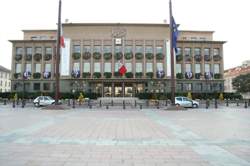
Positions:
(100, 103)
(17, 102)
(112, 103)
(248, 102)
(73, 103)
(215, 104)
(23, 103)
(88, 102)
(147, 103)
(140, 106)
(158, 105)
(166, 104)
(4, 102)
(68, 102)
(135, 103)
(90, 106)
(237, 102)
(245, 104)
(227, 103)
(107, 106)
(14, 104)
(207, 104)
(123, 105)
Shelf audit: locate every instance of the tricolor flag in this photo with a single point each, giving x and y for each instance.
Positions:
(122, 69)
(62, 44)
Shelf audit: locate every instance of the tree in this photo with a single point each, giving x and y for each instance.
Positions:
(242, 83)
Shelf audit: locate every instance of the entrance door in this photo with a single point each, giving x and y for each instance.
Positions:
(118, 90)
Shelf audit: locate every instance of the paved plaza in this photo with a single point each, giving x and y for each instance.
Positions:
(131, 137)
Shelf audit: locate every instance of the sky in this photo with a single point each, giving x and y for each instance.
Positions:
(228, 18)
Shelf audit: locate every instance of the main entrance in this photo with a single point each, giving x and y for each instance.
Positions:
(118, 89)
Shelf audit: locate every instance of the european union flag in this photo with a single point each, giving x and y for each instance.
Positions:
(175, 34)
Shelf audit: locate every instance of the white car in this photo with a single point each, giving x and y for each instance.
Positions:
(43, 101)
(186, 102)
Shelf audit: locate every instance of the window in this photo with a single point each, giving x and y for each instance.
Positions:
(38, 50)
(188, 68)
(178, 68)
(86, 49)
(118, 49)
(179, 87)
(107, 67)
(197, 51)
(38, 68)
(159, 49)
(149, 67)
(198, 87)
(138, 49)
(187, 51)
(76, 49)
(76, 66)
(28, 67)
(107, 49)
(18, 68)
(207, 67)
(129, 67)
(97, 49)
(138, 67)
(207, 51)
(187, 87)
(28, 50)
(97, 67)
(216, 68)
(46, 86)
(197, 68)
(48, 50)
(179, 51)
(216, 51)
(36, 86)
(159, 66)
(19, 50)
(48, 67)
(116, 67)
(149, 49)
(86, 67)
(128, 49)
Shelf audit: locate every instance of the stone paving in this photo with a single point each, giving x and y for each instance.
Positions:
(131, 137)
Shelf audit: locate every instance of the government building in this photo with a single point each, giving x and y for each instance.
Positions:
(94, 52)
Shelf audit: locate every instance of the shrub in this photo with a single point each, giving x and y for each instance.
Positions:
(159, 56)
(149, 55)
(138, 55)
(108, 74)
(38, 56)
(76, 55)
(150, 74)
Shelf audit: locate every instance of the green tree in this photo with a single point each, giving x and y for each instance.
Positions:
(242, 83)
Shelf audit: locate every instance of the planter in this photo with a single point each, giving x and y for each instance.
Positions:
(207, 57)
(28, 57)
(179, 58)
(179, 76)
(75, 74)
(117, 74)
(97, 75)
(149, 55)
(86, 55)
(197, 75)
(26, 75)
(18, 57)
(86, 74)
(107, 55)
(118, 55)
(208, 75)
(107, 74)
(160, 74)
(76, 55)
(38, 56)
(188, 75)
(128, 55)
(197, 58)
(217, 76)
(17, 75)
(97, 55)
(46, 75)
(47, 57)
(138, 74)
(217, 58)
(150, 74)
(36, 75)
(139, 55)
(129, 75)
(159, 56)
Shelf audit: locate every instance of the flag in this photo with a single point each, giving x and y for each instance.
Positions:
(62, 44)
(175, 34)
(122, 69)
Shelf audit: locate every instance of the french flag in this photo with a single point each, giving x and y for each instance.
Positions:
(62, 44)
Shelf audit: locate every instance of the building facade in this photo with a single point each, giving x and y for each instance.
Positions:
(94, 52)
(5, 76)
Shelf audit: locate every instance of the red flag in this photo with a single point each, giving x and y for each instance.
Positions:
(122, 69)
(62, 44)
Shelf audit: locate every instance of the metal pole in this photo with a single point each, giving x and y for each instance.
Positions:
(172, 56)
(58, 54)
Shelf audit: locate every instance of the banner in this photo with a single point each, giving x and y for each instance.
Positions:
(65, 58)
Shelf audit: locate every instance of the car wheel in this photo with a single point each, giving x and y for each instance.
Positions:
(195, 106)
(37, 104)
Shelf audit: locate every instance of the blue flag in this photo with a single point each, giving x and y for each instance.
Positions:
(175, 34)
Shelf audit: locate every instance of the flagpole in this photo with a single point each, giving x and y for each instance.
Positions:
(172, 55)
(58, 54)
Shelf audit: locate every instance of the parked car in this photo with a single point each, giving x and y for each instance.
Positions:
(43, 101)
(186, 102)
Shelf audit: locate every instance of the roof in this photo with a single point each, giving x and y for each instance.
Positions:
(39, 30)
(237, 71)
(27, 41)
(116, 24)
(201, 41)
(4, 69)
(196, 31)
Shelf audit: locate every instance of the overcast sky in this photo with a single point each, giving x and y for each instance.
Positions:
(228, 18)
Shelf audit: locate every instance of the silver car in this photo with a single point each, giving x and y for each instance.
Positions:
(43, 101)
(186, 102)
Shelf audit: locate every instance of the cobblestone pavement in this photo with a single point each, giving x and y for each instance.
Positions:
(83, 137)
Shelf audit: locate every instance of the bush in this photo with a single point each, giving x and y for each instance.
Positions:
(129, 75)
(128, 55)
(76, 55)
(107, 55)
(138, 55)
(149, 55)
(159, 56)
(108, 74)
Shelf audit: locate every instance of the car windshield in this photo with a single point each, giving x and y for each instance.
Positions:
(50, 98)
